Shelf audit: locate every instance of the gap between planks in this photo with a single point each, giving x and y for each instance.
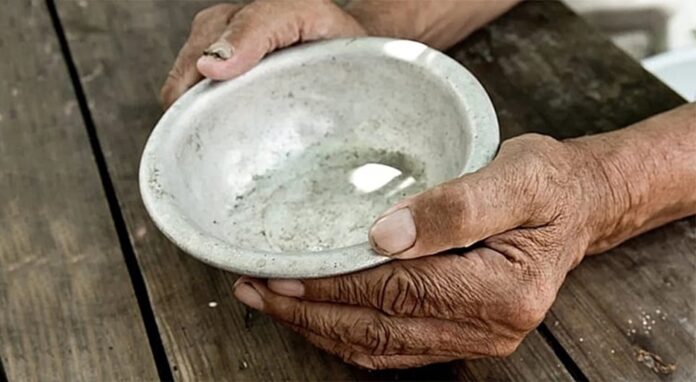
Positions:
(163, 369)
(3, 375)
(561, 353)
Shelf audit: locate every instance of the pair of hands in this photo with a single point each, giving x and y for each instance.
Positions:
(523, 221)
(526, 214)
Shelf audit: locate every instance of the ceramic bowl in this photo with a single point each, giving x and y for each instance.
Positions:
(281, 171)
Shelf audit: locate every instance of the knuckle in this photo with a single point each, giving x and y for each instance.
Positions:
(535, 151)
(261, 9)
(542, 167)
(536, 162)
(505, 348)
(402, 293)
(547, 153)
(377, 336)
(175, 74)
(299, 316)
(204, 15)
(345, 289)
(521, 306)
(539, 142)
(201, 16)
(529, 313)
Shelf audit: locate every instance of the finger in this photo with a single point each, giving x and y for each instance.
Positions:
(264, 26)
(450, 286)
(458, 213)
(207, 26)
(365, 329)
(390, 288)
(349, 354)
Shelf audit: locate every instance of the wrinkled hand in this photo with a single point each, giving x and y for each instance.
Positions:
(530, 215)
(227, 40)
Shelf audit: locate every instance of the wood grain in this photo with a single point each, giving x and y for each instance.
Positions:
(123, 51)
(533, 361)
(67, 308)
(548, 72)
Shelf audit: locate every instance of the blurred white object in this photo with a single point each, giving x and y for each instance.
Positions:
(664, 31)
(642, 27)
(677, 69)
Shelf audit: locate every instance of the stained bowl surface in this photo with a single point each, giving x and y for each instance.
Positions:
(280, 172)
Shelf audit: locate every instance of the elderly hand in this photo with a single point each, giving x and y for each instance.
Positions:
(527, 219)
(529, 211)
(227, 40)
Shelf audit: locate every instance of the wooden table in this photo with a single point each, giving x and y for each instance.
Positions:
(90, 289)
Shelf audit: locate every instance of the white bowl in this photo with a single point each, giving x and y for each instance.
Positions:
(281, 171)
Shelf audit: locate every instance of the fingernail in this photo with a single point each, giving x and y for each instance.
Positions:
(291, 288)
(248, 296)
(219, 50)
(393, 233)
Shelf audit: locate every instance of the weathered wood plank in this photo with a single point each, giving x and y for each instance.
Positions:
(123, 51)
(67, 308)
(548, 72)
(640, 296)
(533, 361)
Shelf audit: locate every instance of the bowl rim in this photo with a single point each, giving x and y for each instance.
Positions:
(470, 94)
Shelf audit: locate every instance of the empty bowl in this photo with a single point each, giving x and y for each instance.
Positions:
(281, 171)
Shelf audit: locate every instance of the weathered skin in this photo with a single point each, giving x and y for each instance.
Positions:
(535, 211)
(528, 218)
(246, 33)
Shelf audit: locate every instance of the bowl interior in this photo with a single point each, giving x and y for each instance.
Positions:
(304, 154)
